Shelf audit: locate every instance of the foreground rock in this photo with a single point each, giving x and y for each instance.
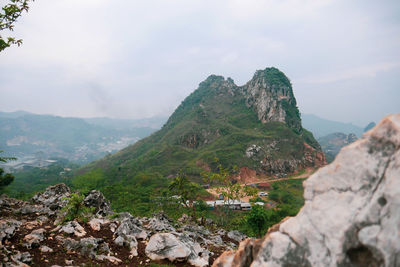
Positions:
(31, 234)
(53, 197)
(351, 216)
(176, 247)
(97, 200)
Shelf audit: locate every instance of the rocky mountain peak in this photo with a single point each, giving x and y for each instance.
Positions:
(269, 93)
(217, 82)
(271, 96)
(223, 120)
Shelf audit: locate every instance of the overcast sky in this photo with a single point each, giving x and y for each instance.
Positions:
(135, 59)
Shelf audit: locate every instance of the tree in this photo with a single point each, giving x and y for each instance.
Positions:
(257, 219)
(227, 186)
(5, 178)
(186, 190)
(8, 16)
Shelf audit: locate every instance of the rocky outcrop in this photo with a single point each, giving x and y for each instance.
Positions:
(72, 228)
(351, 214)
(97, 200)
(176, 247)
(8, 228)
(53, 196)
(32, 234)
(255, 126)
(33, 239)
(266, 156)
(270, 94)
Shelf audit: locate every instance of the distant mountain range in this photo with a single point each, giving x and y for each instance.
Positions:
(321, 127)
(35, 138)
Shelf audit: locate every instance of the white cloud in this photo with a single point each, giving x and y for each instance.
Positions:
(370, 70)
(146, 56)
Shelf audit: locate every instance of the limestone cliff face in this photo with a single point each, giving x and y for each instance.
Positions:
(271, 96)
(351, 213)
(256, 125)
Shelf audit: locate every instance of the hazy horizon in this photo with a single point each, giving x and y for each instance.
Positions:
(132, 59)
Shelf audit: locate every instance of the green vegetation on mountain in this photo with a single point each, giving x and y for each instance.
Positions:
(218, 120)
(30, 181)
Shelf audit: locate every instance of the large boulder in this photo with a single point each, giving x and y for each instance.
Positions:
(351, 214)
(128, 232)
(176, 248)
(53, 197)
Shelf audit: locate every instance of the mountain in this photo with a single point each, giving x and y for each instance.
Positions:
(34, 138)
(123, 124)
(331, 144)
(321, 127)
(256, 126)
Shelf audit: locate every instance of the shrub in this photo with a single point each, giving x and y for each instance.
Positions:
(75, 209)
(257, 219)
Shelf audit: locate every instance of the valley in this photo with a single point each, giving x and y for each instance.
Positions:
(199, 133)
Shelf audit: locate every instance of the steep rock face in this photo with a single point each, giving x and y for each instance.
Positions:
(256, 126)
(270, 94)
(351, 215)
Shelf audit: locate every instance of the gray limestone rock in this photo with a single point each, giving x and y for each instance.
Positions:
(351, 214)
(176, 247)
(272, 100)
(97, 200)
(89, 246)
(131, 227)
(73, 228)
(96, 223)
(8, 227)
(24, 257)
(33, 239)
(45, 249)
(160, 223)
(53, 196)
(236, 235)
(111, 259)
